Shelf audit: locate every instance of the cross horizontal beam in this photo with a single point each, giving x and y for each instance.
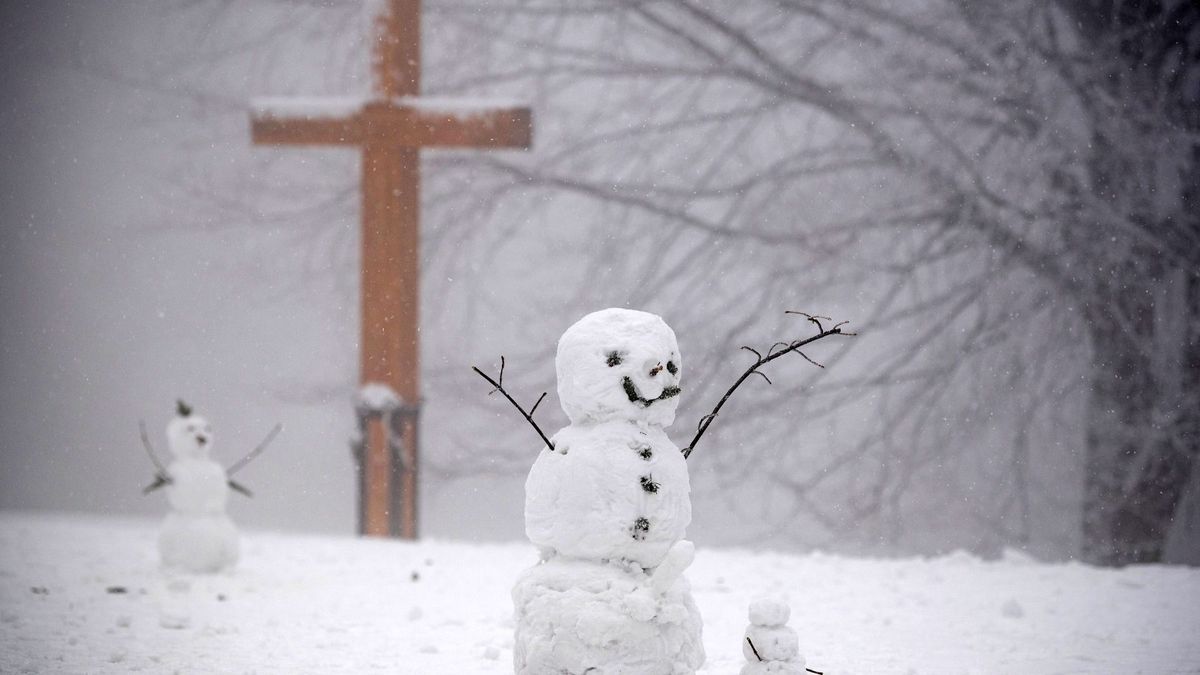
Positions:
(406, 122)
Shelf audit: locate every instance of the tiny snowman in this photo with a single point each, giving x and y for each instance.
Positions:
(607, 504)
(196, 536)
(769, 645)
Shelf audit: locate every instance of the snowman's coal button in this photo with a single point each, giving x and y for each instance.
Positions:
(648, 484)
(642, 449)
(640, 527)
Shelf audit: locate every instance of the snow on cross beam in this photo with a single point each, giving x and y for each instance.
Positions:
(408, 121)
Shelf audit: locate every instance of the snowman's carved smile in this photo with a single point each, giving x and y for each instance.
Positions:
(635, 397)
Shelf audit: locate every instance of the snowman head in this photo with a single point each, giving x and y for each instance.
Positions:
(188, 435)
(619, 364)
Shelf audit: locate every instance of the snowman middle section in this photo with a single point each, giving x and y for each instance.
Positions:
(615, 490)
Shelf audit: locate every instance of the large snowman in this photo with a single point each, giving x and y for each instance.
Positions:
(608, 506)
(196, 536)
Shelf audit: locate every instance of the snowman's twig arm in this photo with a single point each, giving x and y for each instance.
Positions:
(752, 648)
(159, 481)
(238, 487)
(499, 387)
(258, 450)
(161, 477)
(772, 354)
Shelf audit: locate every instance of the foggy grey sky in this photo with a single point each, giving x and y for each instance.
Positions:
(149, 252)
(120, 302)
(115, 303)
(110, 314)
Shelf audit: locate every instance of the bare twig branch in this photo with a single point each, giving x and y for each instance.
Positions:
(158, 465)
(159, 481)
(499, 387)
(539, 402)
(238, 487)
(751, 643)
(772, 354)
(161, 477)
(241, 463)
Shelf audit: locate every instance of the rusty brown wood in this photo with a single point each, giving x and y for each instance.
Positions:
(390, 128)
(268, 130)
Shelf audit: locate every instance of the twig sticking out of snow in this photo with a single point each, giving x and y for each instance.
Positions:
(498, 386)
(161, 477)
(777, 350)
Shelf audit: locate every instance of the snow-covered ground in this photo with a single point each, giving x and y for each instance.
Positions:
(84, 595)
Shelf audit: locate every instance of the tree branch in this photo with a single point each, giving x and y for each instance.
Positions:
(772, 354)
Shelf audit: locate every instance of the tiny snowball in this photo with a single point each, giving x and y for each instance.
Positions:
(769, 612)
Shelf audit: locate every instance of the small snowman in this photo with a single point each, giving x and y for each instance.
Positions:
(769, 645)
(197, 535)
(607, 504)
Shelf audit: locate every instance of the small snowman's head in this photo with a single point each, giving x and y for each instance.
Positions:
(619, 364)
(188, 435)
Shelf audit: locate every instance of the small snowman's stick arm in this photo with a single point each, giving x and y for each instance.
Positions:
(238, 487)
(777, 350)
(161, 477)
(498, 386)
(753, 648)
(258, 450)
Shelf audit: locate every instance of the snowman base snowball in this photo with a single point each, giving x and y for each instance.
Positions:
(577, 616)
(198, 544)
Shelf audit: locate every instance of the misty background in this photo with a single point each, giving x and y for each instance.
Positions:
(930, 174)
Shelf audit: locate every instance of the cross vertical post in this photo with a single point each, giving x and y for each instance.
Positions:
(391, 126)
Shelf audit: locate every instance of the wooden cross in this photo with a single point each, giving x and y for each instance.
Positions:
(390, 126)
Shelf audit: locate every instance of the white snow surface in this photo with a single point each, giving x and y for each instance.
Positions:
(306, 604)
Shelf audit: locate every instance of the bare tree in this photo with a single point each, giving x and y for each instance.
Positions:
(1018, 177)
(1001, 196)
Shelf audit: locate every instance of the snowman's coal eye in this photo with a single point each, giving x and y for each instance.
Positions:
(672, 368)
(613, 358)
